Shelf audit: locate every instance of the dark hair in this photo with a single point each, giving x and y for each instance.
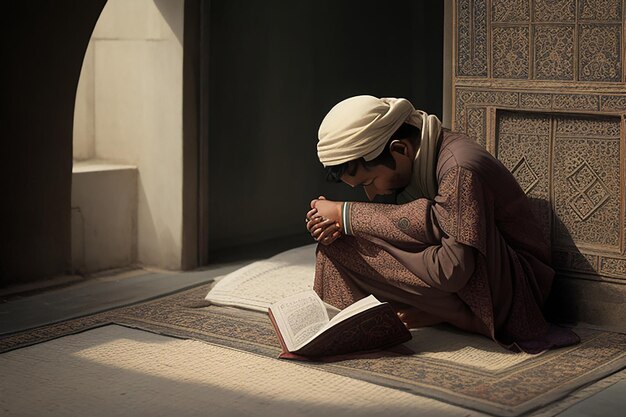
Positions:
(406, 131)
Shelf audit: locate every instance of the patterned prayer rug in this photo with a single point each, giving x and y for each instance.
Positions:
(467, 370)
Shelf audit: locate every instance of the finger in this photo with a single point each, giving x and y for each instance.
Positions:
(328, 231)
(330, 239)
(311, 213)
(315, 221)
(322, 225)
(325, 222)
(321, 197)
(317, 231)
(314, 202)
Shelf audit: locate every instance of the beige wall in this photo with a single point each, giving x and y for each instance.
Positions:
(84, 112)
(129, 110)
(104, 223)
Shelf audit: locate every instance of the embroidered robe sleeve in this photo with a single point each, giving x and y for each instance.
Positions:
(411, 233)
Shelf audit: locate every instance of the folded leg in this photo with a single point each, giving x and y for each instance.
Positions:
(351, 268)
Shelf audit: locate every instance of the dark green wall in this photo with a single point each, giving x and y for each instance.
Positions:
(43, 44)
(276, 68)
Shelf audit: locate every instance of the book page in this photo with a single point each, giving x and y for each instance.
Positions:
(353, 309)
(258, 285)
(299, 317)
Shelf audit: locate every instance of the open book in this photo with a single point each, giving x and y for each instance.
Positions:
(262, 283)
(304, 329)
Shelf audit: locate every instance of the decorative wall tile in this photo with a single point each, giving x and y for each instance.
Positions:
(590, 192)
(554, 52)
(587, 184)
(523, 171)
(554, 11)
(599, 9)
(570, 166)
(517, 122)
(510, 52)
(575, 102)
(583, 262)
(510, 10)
(599, 39)
(504, 98)
(599, 53)
(613, 103)
(476, 125)
(465, 98)
(535, 100)
(459, 117)
(523, 146)
(575, 261)
(471, 45)
(613, 267)
(589, 127)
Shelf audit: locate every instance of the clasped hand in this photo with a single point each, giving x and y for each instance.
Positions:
(323, 221)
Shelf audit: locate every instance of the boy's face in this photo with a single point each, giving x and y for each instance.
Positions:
(381, 179)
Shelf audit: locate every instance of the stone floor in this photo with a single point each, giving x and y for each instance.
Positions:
(27, 307)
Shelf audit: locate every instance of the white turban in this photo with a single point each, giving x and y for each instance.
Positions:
(361, 126)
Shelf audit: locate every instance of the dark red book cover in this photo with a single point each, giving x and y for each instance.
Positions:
(371, 330)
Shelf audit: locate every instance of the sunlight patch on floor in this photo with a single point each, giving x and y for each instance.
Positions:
(115, 370)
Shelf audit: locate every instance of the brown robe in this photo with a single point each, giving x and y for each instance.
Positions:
(474, 257)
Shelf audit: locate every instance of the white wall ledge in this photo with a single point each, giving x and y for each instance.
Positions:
(104, 215)
(96, 165)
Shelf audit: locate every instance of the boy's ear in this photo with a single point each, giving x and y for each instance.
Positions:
(398, 146)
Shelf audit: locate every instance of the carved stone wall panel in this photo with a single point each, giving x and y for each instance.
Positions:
(535, 101)
(499, 98)
(575, 261)
(510, 52)
(555, 25)
(613, 103)
(576, 102)
(515, 122)
(562, 61)
(583, 262)
(468, 98)
(459, 118)
(580, 126)
(523, 146)
(587, 183)
(554, 52)
(510, 11)
(520, 163)
(477, 124)
(554, 11)
(600, 55)
(613, 267)
(471, 48)
(600, 10)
